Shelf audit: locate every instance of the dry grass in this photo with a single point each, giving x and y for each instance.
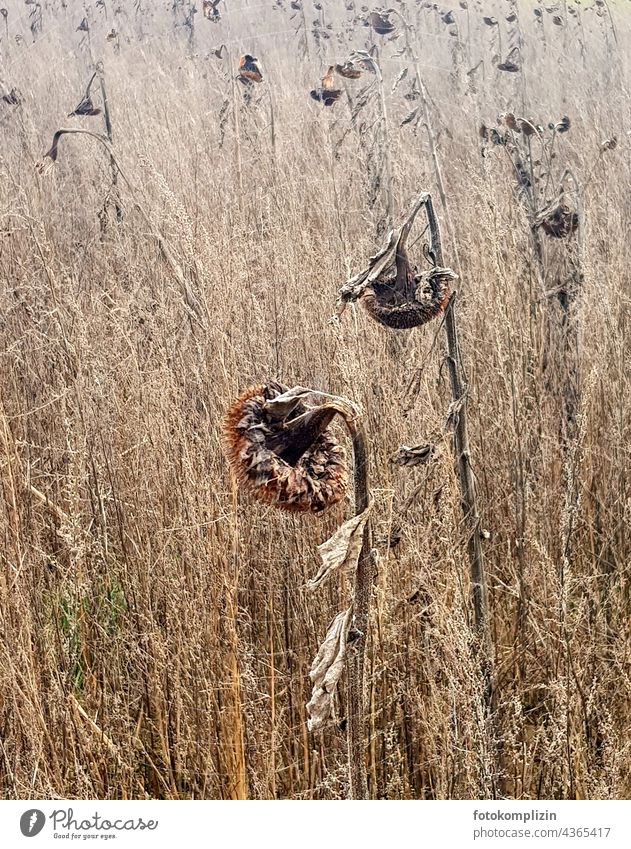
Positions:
(155, 629)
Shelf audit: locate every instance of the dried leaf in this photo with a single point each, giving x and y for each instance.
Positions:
(326, 670)
(410, 116)
(342, 549)
(419, 455)
(400, 77)
(453, 411)
(282, 405)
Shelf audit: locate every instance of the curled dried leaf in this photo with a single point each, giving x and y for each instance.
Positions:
(327, 669)
(410, 116)
(342, 549)
(85, 108)
(418, 455)
(400, 77)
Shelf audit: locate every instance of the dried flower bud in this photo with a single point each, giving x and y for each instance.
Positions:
(559, 223)
(381, 23)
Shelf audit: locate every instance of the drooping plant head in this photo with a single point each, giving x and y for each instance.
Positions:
(284, 451)
(392, 292)
(540, 184)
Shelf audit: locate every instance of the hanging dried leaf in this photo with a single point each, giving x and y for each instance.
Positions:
(342, 549)
(401, 76)
(281, 406)
(84, 108)
(410, 116)
(453, 411)
(511, 67)
(327, 669)
(13, 98)
(419, 455)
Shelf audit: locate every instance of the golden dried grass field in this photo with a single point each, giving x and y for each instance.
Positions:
(156, 631)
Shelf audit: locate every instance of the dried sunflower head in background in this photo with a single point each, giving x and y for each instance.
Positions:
(560, 222)
(283, 451)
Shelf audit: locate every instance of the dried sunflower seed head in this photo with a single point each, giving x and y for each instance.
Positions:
(284, 452)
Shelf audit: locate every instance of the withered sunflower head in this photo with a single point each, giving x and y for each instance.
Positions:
(423, 298)
(560, 222)
(284, 451)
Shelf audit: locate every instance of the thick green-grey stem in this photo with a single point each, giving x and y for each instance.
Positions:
(463, 462)
(358, 778)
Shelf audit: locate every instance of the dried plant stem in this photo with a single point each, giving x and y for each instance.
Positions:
(385, 147)
(358, 779)
(463, 462)
(430, 135)
(237, 131)
(108, 129)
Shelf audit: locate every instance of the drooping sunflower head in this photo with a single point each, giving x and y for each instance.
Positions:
(284, 451)
(423, 298)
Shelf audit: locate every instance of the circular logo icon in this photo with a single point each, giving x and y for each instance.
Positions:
(32, 822)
